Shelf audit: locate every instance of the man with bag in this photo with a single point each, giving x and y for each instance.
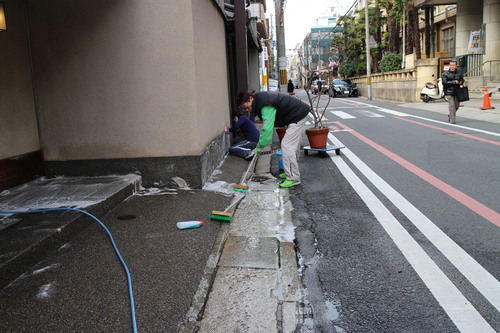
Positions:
(452, 79)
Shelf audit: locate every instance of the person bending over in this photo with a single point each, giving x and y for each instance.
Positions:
(278, 110)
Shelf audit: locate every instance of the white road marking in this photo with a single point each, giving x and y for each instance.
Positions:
(459, 126)
(343, 115)
(454, 303)
(394, 113)
(401, 114)
(371, 114)
(343, 107)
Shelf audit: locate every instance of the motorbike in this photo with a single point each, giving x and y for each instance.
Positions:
(432, 92)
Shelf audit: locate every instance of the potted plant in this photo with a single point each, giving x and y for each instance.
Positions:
(318, 134)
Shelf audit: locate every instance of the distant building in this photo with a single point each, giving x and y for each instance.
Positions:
(317, 46)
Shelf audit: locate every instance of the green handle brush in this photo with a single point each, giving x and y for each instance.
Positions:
(226, 215)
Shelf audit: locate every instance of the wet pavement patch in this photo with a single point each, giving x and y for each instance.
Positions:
(255, 252)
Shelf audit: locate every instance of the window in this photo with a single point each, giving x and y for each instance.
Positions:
(447, 43)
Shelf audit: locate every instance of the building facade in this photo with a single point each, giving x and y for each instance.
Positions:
(456, 26)
(92, 88)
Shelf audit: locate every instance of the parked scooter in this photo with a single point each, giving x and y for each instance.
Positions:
(431, 92)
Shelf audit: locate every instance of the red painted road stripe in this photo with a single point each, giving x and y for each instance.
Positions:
(333, 128)
(461, 197)
(450, 131)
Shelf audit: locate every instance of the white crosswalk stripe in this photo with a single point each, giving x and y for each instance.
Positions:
(371, 114)
(343, 115)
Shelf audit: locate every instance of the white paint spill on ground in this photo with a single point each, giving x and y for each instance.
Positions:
(285, 230)
(331, 312)
(70, 192)
(44, 269)
(150, 191)
(48, 230)
(7, 255)
(65, 246)
(45, 291)
(7, 220)
(220, 187)
(181, 183)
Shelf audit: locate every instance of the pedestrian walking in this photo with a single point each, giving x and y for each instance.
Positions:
(243, 146)
(278, 110)
(290, 88)
(320, 87)
(452, 79)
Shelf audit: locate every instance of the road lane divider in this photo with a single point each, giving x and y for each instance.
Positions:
(469, 202)
(450, 131)
(402, 114)
(454, 303)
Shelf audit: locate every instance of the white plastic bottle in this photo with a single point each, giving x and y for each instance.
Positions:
(189, 224)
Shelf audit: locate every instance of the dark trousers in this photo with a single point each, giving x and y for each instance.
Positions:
(242, 148)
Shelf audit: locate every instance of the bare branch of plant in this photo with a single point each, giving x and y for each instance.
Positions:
(316, 111)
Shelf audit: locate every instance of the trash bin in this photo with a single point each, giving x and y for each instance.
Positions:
(280, 160)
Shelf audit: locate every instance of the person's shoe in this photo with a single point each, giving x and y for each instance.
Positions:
(289, 183)
(249, 156)
(282, 175)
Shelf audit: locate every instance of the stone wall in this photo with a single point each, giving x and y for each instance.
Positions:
(400, 86)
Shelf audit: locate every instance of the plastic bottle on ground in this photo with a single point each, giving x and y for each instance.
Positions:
(189, 224)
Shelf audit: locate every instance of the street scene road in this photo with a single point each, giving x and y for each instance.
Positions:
(399, 233)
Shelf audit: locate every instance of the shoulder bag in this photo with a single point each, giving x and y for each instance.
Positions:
(463, 93)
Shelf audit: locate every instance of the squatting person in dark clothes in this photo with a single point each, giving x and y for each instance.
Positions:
(243, 147)
(278, 110)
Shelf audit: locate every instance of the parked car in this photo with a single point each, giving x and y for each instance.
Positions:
(273, 85)
(344, 87)
(314, 87)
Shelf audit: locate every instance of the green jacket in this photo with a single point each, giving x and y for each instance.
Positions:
(277, 110)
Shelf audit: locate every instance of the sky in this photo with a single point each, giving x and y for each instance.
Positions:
(300, 16)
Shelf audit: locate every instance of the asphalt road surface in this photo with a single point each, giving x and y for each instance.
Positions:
(400, 232)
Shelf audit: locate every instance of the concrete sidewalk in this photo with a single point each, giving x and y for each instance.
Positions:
(238, 276)
(256, 287)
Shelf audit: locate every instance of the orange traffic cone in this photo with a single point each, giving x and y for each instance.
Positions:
(486, 100)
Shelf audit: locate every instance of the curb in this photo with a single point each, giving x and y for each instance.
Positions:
(253, 268)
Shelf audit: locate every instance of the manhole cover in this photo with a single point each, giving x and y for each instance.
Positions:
(126, 217)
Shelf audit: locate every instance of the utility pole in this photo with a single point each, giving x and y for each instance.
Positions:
(368, 60)
(241, 45)
(280, 40)
(404, 35)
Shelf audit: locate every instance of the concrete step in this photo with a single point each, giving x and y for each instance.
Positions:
(28, 239)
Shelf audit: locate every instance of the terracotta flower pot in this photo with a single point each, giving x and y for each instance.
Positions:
(281, 132)
(317, 137)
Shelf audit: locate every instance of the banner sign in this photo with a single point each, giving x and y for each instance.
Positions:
(475, 43)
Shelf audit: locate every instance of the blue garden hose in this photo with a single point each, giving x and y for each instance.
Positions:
(129, 279)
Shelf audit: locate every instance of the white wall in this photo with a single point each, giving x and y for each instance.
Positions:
(128, 79)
